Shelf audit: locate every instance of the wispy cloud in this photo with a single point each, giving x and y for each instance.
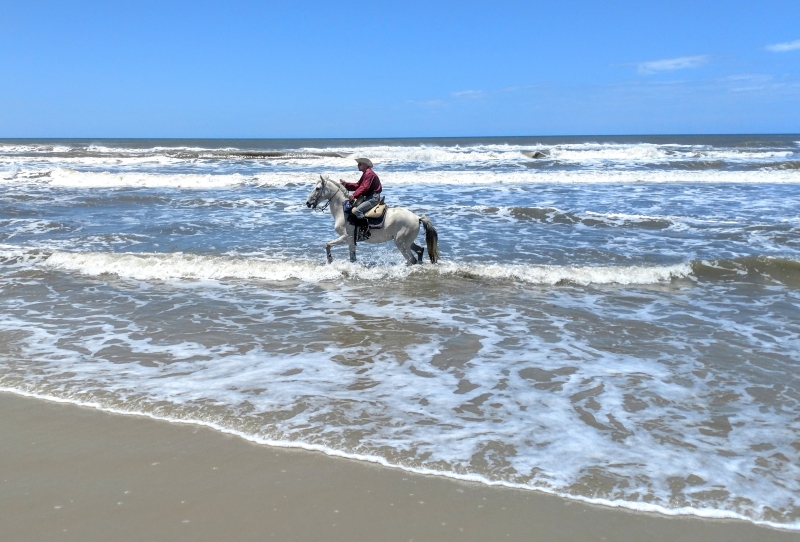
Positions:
(747, 82)
(783, 47)
(672, 64)
(468, 94)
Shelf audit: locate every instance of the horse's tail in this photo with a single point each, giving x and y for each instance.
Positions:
(431, 238)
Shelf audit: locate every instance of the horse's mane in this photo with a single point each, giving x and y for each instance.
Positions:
(339, 187)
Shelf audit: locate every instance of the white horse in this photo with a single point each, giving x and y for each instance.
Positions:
(401, 225)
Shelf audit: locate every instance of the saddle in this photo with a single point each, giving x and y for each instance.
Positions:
(376, 215)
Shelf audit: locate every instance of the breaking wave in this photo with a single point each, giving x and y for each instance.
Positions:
(444, 154)
(84, 179)
(71, 178)
(181, 266)
(588, 218)
(198, 267)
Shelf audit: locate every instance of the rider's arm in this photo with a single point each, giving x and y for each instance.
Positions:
(365, 183)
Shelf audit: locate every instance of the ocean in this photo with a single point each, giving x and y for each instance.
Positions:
(613, 319)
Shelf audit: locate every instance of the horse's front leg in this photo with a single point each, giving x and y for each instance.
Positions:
(343, 239)
(351, 242)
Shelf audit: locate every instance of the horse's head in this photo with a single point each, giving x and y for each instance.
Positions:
(322, 191)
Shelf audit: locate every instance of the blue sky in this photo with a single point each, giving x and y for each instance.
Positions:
(397, 69)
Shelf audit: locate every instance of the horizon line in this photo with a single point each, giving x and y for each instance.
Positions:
(332, 138)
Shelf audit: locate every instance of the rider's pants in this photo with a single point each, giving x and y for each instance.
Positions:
(366, 205)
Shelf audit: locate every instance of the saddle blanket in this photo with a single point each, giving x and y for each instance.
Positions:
(375, 216)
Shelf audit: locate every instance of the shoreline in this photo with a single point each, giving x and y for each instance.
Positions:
(380, 462)
(55, 448)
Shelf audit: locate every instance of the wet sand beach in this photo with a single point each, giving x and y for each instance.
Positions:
(74, 473)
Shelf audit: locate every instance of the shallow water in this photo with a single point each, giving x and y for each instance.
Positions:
(617, 319)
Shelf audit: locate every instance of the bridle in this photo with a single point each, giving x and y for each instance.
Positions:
(322, 189)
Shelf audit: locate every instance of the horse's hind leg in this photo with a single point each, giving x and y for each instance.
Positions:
(404, 249)
(404, 241)
(419, 250)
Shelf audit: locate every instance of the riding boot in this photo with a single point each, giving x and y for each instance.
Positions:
(363, 226)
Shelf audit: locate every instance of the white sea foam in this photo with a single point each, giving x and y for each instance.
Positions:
(556, 274)
(413, 403)
(421, 156)
(585, 177)
(579, 153)
(644, 153)
(17, 256)
(9, 174)
(154, 266)
(151, 266)
(626, 217)
(65, 177)
(84, 179)
(36, 148)
(432, 155)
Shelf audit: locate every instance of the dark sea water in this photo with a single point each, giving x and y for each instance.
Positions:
(614, 319)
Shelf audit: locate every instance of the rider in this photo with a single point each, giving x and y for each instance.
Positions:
(367, 190)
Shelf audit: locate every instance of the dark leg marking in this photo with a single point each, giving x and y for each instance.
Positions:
(419, 250)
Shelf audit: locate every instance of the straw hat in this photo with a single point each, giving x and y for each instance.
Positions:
(365, 161)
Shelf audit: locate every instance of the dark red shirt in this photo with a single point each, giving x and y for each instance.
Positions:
(368, 184)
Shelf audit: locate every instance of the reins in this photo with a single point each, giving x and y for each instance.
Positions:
(322, 208)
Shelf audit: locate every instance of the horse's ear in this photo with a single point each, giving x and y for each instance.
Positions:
(321, 177)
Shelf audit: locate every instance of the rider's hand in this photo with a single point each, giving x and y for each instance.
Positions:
(351, 197)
